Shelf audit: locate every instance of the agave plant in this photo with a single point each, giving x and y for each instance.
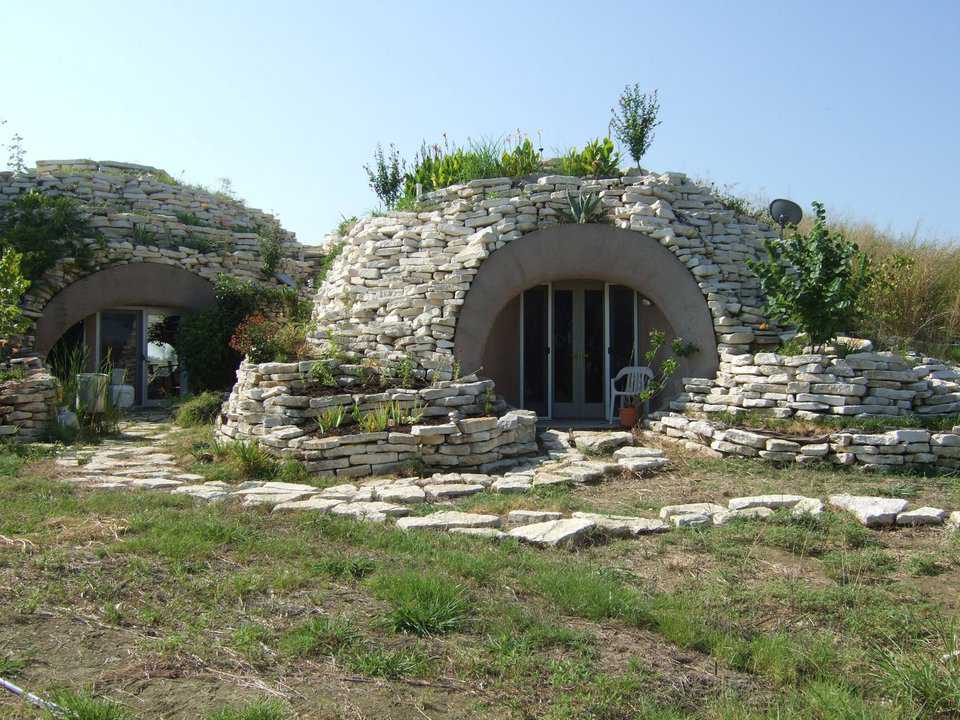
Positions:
(583, 208)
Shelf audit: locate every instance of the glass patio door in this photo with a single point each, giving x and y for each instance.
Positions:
(578, 349)
(161, 366)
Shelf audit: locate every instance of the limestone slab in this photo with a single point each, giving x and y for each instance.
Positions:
(708, 509)
(553, 532)
(447, 520)
(624, 525)
(871, 511)
(773, 501)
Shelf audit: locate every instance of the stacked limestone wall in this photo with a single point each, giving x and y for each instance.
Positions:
(913, 449)
(401, 279)
(142, 215)
(27, 402)
(808, 386)
(278, 406)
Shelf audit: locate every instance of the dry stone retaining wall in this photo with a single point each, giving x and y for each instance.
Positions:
(277, 405)
(401, 279)
(810, 386)
(914, 449)
(28, 403)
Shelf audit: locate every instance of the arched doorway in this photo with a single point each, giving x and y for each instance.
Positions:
(114, 318)
(561, 310)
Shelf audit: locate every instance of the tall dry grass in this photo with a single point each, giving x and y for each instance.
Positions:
(913, 300)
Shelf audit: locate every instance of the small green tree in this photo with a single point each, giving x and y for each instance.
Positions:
(386, 176)
(634, 119)
(813, 281)
(12, 287)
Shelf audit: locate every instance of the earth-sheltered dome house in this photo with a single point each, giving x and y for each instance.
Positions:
(441, 336)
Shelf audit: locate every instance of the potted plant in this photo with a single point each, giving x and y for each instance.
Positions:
(629, 414)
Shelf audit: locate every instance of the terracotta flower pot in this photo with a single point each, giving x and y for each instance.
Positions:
(628, 416)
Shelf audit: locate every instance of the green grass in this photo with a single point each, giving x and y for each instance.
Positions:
(424, 603)
(389, 664)
(319, 636)
(261, 710)
(802, 618)
(11, 666)
(83, 706)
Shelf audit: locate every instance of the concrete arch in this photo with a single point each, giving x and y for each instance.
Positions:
(587, 252)
(147, 284)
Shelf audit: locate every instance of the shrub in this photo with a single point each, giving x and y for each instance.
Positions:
(598, 159)
(813, 280)
(203, 338)
(43, 229)
(12, 287)
(634, 119)
(269, 339)
(270, 248)
(200, 409)
(522, 160)
(386, 176)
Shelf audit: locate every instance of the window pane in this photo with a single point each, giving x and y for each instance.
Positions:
(535, 355)
(563, 346)
(593, 346)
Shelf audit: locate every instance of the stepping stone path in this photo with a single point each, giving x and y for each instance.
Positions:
(137, 461)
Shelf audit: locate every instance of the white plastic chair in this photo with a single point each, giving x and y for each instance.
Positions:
(637, 380)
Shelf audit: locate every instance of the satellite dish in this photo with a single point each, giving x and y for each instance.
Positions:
(785, 212)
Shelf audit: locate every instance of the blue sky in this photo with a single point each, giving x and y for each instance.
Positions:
(856, 104)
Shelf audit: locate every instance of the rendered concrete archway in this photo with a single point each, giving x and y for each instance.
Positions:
(144, 284)
(587, 252)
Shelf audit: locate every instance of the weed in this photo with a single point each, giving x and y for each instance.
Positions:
(926, 564)
(424, 603)
(260, 710)
(322, 374)
(200, 409)
(82, 706)
(10, 666)
(858, 566)
(346, 568)
(188, 218)
(389, 664)
(254, 461)
(319, 636)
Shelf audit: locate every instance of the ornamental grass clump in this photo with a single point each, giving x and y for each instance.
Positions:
(424, 603)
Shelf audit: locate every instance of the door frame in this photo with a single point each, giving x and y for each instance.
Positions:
(607, 370)
(140, 382)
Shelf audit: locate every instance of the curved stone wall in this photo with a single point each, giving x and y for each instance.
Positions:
(142, 215)
(402, 279)
(588, 252)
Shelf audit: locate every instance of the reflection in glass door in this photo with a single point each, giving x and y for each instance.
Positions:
(161, 366)
(119, 345)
